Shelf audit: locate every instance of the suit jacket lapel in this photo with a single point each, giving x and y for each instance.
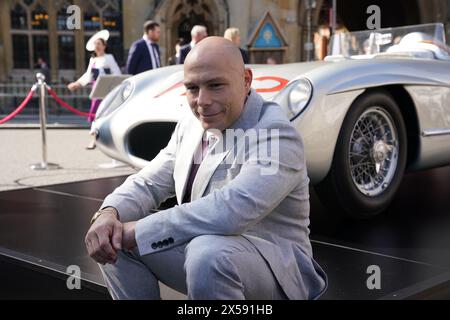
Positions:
(147, 53)
(212, 159)
(185, 156)
(215, 156)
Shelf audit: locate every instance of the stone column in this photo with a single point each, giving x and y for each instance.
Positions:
(52, 41)
(80, 66)
(3, 10)
(6, 58)
(289, 25)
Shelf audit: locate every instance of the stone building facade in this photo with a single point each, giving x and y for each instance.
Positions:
(33, 28)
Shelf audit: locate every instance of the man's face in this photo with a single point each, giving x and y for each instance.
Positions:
(216, 92)
(154, 34)
(200, 36)
(237, 40)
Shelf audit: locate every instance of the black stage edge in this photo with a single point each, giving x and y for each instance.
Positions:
(42, 233)
(21, 279)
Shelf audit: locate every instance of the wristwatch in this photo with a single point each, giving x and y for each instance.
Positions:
(102, 211)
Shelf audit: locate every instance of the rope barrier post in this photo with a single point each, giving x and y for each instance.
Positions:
(44, 165)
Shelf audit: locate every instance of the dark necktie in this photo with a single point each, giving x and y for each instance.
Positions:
(194, 168)
(156, 54)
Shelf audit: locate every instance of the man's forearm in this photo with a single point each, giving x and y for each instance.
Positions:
(106, 210)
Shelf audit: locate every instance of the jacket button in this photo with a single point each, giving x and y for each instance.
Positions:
(159, 244)
(170, 240)
(154, 246)
(166, 243)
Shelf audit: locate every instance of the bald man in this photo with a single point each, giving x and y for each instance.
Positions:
(240, 229)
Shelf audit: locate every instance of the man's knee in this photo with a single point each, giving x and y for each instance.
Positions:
(207, 257)
(206, 251)
(124, 258)
(208, 264)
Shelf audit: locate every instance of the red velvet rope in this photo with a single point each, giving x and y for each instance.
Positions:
(19, 108)
(67, 106)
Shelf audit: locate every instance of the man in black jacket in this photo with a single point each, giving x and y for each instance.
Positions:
(198, 33)
(234, 36)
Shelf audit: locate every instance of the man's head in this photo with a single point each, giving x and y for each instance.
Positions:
(233, 35)
(178, 45)
(152, 30)
(217, 82)
(271, 60)
(198, 33)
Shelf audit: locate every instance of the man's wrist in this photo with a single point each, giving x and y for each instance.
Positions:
(106, 210)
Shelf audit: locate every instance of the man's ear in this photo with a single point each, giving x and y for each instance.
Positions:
(248, 77)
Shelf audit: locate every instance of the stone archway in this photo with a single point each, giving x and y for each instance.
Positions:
(178, 17)
(181, 27)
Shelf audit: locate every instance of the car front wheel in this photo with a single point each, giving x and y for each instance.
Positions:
(369, 158)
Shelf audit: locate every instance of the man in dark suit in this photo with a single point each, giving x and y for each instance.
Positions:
(198, 33)
(234, 35)
(144, 53)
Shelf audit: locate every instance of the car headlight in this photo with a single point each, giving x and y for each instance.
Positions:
(299, 96)
(295, 97)
(127, 88)
(115, 99)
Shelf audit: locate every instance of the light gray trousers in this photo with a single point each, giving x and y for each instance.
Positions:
(208, 267)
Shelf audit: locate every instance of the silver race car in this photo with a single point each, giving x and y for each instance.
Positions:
(377, 106)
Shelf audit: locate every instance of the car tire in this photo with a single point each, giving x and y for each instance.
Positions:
(369, 158)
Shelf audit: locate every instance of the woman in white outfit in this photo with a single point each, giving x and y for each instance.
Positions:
(101, 63)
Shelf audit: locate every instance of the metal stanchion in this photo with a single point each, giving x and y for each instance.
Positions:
(44, 165)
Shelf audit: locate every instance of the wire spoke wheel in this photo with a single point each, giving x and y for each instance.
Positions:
(373, 151)
(369, 159)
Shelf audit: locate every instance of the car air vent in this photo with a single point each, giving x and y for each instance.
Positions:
(147, 139)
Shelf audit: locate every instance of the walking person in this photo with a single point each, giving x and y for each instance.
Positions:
(173, 59)
(234, 35)
(144, 53)
(198, 33)
(43, 67)
(101, 63)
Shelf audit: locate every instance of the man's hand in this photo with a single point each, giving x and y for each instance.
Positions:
(104, 238)
(129, 236)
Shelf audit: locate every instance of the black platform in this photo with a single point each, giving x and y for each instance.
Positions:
(42, 232)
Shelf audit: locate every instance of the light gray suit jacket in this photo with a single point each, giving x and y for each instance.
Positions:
(231, 196)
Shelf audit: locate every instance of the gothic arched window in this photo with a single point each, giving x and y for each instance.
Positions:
(61, 15)
(104, 14)
(29, 33)
(66, 56)
(66, 38)
(91, 18)
(19, 17)
(21, 51)
(111, 19)
(39, 18)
